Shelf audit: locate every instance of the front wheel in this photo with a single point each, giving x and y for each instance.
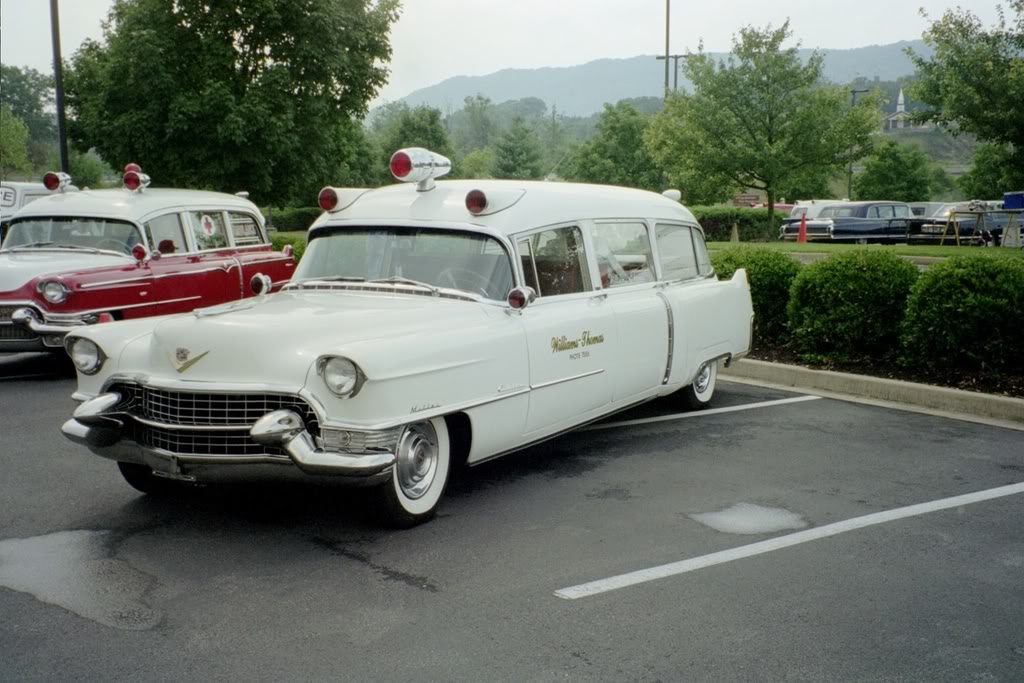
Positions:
(423, 461)
(698, 395)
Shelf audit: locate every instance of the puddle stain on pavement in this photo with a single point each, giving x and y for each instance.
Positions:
(75, 570)
(747, 518)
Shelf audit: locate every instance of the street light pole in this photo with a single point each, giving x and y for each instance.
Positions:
(849, 175)
(675, 64)
(58, 86)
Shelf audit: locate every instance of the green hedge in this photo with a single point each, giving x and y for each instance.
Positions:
(753, 224)
(850, 306)
(298, 244)
(293, 219)
(967, 313)
(771, 275)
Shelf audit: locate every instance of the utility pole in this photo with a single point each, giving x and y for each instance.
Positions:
(668, 16)
(58, 86)
(849, 175)
(675, 63)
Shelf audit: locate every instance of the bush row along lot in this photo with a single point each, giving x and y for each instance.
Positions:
(297, 583)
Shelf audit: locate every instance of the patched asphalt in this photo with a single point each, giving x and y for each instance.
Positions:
(297, 582)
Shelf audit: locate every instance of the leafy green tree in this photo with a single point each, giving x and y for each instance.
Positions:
(941, 186)
(256, 95)
(477, 164)
(992, 173)
(13, 145)
(894, 172)
(479, 129)
(812, 185)
(760, 118)
(974, 82)
(28, 93)
(617, 154)
(87, 168)
(517, 153)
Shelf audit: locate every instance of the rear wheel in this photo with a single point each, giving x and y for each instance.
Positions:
(423, 462)
(141, 478)
(698, 395)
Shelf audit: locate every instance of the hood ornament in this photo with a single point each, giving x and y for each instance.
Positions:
(182, 359)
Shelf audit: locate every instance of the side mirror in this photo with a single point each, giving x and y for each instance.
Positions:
(156, 255)
(140, 253)
(260, 284)
(288, 251)
(521, 297)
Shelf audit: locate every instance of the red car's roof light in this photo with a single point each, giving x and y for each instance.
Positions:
(476, 202)
(56, 181)
(328, 199)
(418, 165)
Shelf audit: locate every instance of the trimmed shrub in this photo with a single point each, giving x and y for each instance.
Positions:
(771, 274)
(753, 224)
(298, 244)
(850, 306)
(293, 219)
(967, 313)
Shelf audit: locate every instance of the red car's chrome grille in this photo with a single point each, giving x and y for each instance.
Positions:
(7, 312)
(10, 332)
(180, 412)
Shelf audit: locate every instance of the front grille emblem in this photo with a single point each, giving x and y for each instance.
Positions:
(181, 360)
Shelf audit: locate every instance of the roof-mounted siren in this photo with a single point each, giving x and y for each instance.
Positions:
(53, 181)
(418, 165)
(134, 180)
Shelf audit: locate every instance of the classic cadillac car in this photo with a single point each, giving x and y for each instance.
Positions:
(859, 222)
(428, 324)
(78, 258)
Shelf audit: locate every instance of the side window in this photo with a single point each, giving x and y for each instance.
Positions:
(675, 252)
(166, 235)
(560, 261)
(873, 212)
(902, 211)
(244, 229)
(623, 253)
(208, 229)
(704, 266)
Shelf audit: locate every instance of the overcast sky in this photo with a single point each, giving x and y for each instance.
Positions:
(436, 39)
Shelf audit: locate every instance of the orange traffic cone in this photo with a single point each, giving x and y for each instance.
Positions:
(801, 237)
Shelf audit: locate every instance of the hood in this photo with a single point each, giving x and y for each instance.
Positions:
(278, 339)
(17, 268)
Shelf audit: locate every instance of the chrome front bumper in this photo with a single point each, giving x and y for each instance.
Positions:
(50, 334)
(99, 428)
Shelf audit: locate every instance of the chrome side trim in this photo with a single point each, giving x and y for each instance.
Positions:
(671, 337)
(552, 383)
(147, 278)
(59, 319)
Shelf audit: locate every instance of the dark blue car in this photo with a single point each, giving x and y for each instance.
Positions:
(857, 222)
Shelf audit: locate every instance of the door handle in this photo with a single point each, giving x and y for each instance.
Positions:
(600, 297)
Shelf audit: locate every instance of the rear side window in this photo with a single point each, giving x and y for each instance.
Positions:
(704, 266)
(208, 229)
(902, 211)
(623, 252)
(244, 229)
(675, 252)
(558, 260)
(166, 235)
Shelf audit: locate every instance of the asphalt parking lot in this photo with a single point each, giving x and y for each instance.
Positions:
(295, 582)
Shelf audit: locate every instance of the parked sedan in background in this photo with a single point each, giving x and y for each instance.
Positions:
(860, 222)
(976, 222)
(77, 258)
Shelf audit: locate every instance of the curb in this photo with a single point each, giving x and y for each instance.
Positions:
(1001, 411)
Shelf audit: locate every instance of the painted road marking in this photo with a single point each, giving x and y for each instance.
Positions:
(700, 413)
(673, 568)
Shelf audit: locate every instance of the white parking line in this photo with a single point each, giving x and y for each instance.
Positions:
(700, 413)
(673, 568)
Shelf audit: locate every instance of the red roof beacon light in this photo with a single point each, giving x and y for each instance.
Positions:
(476, 202)
(418, 165)
(135, 181)
(132, 168)
(328, 199)
(56, 181)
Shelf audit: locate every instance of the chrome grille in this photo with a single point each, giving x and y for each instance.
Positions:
(10, 332)
(179, 410)
(7, 312)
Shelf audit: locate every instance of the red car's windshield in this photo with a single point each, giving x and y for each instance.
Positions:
(72, 232)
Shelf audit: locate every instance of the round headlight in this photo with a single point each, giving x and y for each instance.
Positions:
(86, 356)
(340, 375)
(54, 292)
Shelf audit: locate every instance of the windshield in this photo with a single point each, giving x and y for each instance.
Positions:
(470, 262)
(72, 232)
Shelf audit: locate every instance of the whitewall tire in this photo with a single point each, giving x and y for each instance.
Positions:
(700, 392)
(423, 461)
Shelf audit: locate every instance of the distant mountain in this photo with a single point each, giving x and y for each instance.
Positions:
(584, 89)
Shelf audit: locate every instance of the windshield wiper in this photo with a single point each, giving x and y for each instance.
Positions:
(323, 280)
(32, 245)
(398, 280)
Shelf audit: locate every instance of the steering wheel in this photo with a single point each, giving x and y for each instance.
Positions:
(118, 245)
(450, 277)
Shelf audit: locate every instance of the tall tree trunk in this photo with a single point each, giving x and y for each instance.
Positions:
(770, 191)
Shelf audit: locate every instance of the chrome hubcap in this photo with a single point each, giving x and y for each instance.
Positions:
(700, 385)
(416, 462)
